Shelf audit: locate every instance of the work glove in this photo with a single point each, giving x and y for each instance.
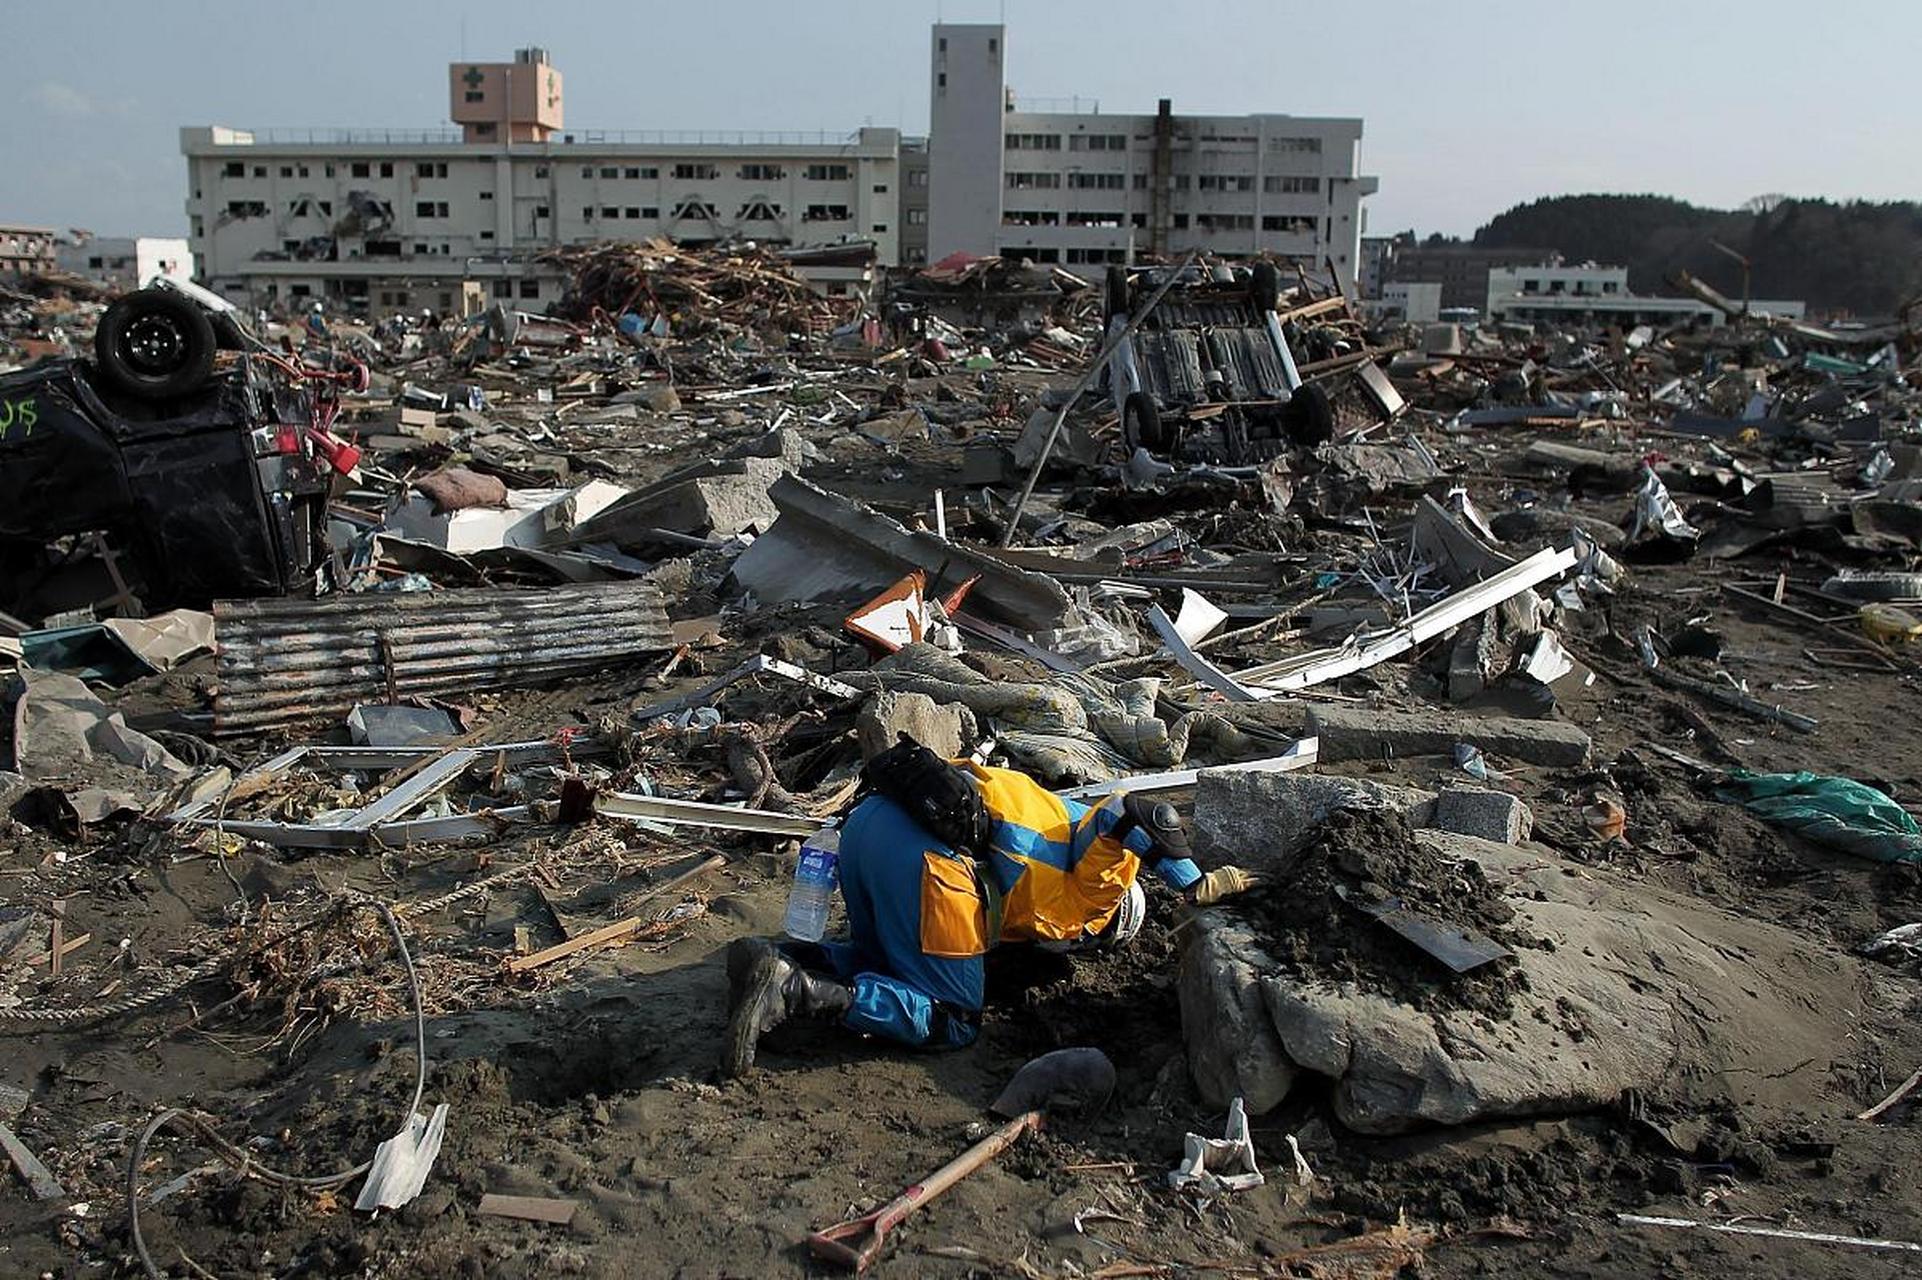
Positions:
(1223, 882)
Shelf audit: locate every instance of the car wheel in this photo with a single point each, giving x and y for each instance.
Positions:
(1311, 419)
(1115, 299)
(1141, 424)
(1266, 286)
(155, 344)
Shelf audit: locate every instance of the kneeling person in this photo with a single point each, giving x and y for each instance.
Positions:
(1017, 864)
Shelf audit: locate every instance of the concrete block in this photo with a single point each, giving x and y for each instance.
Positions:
(1233, 1051)
(1485, 814)
(1362, 733)
(712, 497)
(1262, 820)
(947, 729)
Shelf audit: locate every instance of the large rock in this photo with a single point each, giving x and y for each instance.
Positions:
(1368, 733)
(1488, 814)
(1261, 820)
(947, 729)
(1636, 989)
(1232, 1048)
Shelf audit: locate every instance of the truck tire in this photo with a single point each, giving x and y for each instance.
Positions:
(1141, 424)
(1266, 286)
(1311, 419)
(155, 344)
(1115, 293)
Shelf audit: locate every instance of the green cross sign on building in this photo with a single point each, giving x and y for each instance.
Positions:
(473, 77)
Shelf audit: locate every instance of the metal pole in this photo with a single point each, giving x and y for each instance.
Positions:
(1087, 380)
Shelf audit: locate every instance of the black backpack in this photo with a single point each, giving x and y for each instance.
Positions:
(939, 796)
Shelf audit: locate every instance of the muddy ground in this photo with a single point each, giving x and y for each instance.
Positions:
(593, 1080)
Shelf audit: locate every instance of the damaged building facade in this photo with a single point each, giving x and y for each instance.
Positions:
(1083, 188)
(389, 220)
(397, 219)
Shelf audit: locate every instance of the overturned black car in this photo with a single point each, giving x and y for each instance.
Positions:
(186, 461)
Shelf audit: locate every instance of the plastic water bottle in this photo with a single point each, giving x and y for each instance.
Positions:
(814, 879)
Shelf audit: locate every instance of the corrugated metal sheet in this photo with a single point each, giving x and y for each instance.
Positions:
(283, 662)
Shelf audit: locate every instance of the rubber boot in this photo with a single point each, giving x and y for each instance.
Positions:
(773, 990)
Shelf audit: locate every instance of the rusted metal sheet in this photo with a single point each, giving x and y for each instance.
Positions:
(289, 661)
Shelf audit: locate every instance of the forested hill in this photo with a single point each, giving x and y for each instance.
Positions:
(1862, 258)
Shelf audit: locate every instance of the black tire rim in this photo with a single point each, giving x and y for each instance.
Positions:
(153, 344)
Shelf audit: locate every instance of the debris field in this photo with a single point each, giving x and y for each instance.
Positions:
(1560, 686)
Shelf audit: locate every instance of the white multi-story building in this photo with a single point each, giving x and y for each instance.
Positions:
(1585, 293)
(125, 262)
(1083, 188)
(391, 220)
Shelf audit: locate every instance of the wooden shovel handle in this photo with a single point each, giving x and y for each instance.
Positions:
(857, 1242)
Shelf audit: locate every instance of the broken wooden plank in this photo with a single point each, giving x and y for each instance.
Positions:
(37, 1176)
(607, 935)
(530, 1208)
(67, 948)
(1902, 1091)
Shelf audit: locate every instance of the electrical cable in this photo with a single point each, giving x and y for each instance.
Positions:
(243, 1160)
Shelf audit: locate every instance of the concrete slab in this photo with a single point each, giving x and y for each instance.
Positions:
(1364, 733)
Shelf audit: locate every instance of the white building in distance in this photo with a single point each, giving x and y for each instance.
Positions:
(125, 262)
(389, 220)
(1585, 293)
(1082, 188)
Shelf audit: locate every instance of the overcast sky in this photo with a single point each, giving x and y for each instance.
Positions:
(1469, 107)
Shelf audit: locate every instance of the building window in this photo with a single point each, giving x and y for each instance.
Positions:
(826, 173)
(1098, 142)
(1182, 181)
(530, 288)
(487, 235)
(609, 211)
(1085, 218)
(430, 169)
(360, 169)
(234, 169)
(326, 208)
(503, 288)
(387, 168)
(1138, 220)
(1225, 221)
(942, 44)
(286, 171)
(917, 217)
(1033, 181)
(762, 173)
(694, 208)
(421, 248)
(475, 95)
(649, 172)
(587, 213)
(487, 195)
(879, 228)
(1181, 222)
(430, 208)
(880, 188)
(917, 177)
(1304, 146)
(587, 171)
(540, 171)
(633, 211)
(1226, 182)
(610, 171)
(941, 80)
(1292, 226)
(1030, 218)
(303, 170)
(1290, 185)
(759, 211)
(650, 211)
(1033, 141)
(247, 208)
(485, 129)
(260, 171)
(695, 172)
(825, 213)
(994, 45)
(1097, 181)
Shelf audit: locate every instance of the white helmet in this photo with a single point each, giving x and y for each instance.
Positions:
(1127, 917)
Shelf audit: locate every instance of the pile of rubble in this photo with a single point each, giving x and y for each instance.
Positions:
(1472, 642)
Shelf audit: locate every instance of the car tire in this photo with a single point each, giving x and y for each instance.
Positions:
(1311, 419)
(1141, 424)
(1115, 293)
(155, 344)
(1266, 286)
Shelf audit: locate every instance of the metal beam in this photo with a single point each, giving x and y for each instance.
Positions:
(695, 813)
